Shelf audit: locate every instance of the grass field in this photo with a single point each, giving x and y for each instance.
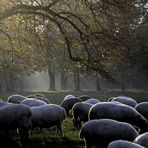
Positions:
(71, 135)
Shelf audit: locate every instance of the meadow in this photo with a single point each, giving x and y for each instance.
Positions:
(71, 135)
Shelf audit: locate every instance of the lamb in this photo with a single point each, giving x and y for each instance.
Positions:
(125, 100)
(142, 139)
(80, 112)
(15, 116)
(92, 101)
(16, 98)
(31, 102)
(119, 112)
(47, 116)
(68, 104)
(123, 144)
(101, 132)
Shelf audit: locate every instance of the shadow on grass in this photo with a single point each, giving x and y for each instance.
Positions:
(39, 143)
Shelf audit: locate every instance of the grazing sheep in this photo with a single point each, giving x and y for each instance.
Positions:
(119, 112)
(84, 97)
(80, 112)
(123, 144)
(68, 104)
(47, 116)
(16, 98)
(31, 102)
(39, 97)
(15, 116)
(142, 108)
(92, 101)
(125, 100)
(102, 132)
(68, 97)
(142, 140)
(5, 103)
(110, 99)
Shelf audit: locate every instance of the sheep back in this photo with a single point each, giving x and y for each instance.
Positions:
(48, 115)
(119, 112)
(14, 116)
(33, 102)
(123, 144)
(16, 98)
(142, 139)
(125, 100)
(102, 132)
(142, 108)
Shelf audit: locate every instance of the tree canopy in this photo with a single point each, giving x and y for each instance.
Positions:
(96, 33)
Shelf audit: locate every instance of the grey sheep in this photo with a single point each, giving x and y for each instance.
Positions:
(142, 108)
(31, 102)
(125, 100)
(84, 97)
(68, 97)
(15, 116)
(2, 104)
(39, 97)
(119, 112)
(68, 104)
(92, 101)
(101, 132)
(142, 139)
(123, 144)
(47, 116)
(80, 112)
(16, 98)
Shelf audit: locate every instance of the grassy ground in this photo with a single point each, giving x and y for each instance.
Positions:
(71, 135)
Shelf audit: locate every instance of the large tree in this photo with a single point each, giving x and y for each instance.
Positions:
(96, 33)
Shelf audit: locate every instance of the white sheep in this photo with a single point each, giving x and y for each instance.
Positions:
(80, 112)
(16, 98)
(101, 132)
(68, 104)
(92, 101)
(123, 144)
(31, 102)
(142, 140)
(119, 112)
(125, 100)
(47, 116)
(15, 116)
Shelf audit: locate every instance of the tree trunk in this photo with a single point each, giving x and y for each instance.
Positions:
(63, 80)
(77, 79)
(122, 80)
(98, 88)
(51, 74)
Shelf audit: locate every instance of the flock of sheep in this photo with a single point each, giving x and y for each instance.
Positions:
(120, 122)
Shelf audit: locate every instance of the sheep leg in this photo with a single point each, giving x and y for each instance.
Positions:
(31, 132)
(43, 135)
(59, 128)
